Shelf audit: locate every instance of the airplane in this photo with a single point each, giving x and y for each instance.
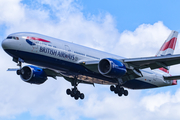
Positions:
(51, 57)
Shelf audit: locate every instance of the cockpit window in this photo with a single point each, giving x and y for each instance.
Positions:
(9, 37)
(12, 37)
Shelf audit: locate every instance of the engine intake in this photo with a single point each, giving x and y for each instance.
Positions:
(111, 68)
(33, 75)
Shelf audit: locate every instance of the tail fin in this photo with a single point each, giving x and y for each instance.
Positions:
(168, 47)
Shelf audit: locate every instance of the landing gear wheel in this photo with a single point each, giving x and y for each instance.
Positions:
(74, 91)
(112, 88)
(68, 91)
(125, 93)
(78, 93)
(18, 72)
(72, 95)
(122, 89)
(76, 97)
(118, 89)
(82, 96)
(120, 93)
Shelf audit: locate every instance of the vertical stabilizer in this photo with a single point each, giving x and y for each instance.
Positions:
(168, 47)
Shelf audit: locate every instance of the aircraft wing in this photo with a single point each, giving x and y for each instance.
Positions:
(93, 66)
(153, 62)
(139, 63)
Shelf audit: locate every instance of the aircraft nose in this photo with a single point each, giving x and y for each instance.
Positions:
(4, 44)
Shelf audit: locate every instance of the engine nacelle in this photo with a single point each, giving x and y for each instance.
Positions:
(111, 68)
(33, 74)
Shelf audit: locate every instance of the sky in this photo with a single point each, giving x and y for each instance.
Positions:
(126, 28)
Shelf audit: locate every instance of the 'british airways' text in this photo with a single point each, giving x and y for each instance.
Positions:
(58, 53)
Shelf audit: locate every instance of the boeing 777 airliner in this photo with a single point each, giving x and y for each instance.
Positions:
(50, 57)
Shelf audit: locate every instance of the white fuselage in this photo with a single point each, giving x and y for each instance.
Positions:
(60, 50)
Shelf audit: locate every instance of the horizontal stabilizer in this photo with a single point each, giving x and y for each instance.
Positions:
(13, 69)
(172, 77)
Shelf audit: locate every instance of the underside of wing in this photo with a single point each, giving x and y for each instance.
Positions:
(132, 66)
(131, 73)
(86, 79)
(91, 65)
(52, 73)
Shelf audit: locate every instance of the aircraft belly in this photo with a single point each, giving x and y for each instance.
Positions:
(138, 84)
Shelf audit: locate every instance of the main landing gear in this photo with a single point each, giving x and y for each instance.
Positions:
(74, 92)
(119, 90)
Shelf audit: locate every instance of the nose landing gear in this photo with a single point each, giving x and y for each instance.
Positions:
(19, 62)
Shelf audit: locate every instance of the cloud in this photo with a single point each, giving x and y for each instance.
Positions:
(11, 11)
(162, 105)
(65, 20)
(146, 40)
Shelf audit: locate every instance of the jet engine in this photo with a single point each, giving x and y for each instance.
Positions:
(111, 68)
(32, 74)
